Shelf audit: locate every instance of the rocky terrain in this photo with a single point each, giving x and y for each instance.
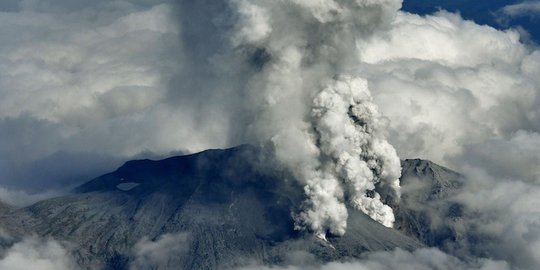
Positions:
(231, 206)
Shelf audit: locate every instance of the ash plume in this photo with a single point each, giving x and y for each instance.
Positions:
(321, 120)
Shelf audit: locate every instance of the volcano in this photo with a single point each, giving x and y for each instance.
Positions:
(232, 205)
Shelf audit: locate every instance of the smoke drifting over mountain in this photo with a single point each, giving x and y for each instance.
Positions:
(332, 139)
(337, 88)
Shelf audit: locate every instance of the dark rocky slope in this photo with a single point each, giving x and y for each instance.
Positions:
(233, 204)
(427, 211)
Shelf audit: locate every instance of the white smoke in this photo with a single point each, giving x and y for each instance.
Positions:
(346, 123)
(322, 121)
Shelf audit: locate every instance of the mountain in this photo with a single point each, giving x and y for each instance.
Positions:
(426, 210)
(5, 208)
(230, 205)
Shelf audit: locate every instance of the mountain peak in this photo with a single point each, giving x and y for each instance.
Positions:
(150, 175)
(425, 210)
(233, 203)
(439, 178)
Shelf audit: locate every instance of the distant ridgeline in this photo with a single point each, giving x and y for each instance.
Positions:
(488, 12)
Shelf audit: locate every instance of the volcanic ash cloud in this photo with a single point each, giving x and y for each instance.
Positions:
(321, 120)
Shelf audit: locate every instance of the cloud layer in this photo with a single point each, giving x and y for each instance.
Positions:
(526, 8)
(466, 96)
(424, 259)
(84, 86)
(166, 252)
(36, 253)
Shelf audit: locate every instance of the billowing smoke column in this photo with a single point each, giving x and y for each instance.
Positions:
(322, 121)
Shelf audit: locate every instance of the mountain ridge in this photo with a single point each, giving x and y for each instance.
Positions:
(233, 203)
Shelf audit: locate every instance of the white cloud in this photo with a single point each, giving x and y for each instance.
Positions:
(527, 8)
(166, 252)
(443, 38)
(445, 83)
(421, 259)
(507, 158)
(466, 96)
(35, 253)
(94, 79)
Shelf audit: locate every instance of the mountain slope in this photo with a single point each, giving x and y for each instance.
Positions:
(233, 205)
(426, 211)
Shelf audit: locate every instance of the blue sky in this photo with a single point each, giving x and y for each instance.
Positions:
(490, 12)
